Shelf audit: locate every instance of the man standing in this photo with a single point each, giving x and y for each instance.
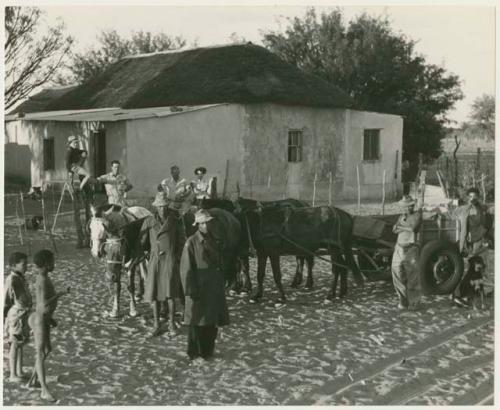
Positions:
(405, 275)
(473, 227)
(176, 188)
(203, 284)
(166, 237)
(116, 185)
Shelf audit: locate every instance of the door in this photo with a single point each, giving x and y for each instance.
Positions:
(99, 155)
(99, 152)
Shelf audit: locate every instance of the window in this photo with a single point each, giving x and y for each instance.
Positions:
(371, 145)
(294, 146)
(49, 156)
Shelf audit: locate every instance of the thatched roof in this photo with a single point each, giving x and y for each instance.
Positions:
(228, 74)
(40, 101)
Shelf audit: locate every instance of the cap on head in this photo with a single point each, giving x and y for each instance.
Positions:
(72, 139)
(472, 191)
(160, 199)
(202, 216)
(200, 171)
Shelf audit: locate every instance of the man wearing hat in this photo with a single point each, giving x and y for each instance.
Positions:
(176, 188)
(166, 238)
(473, 226)
(405, 275)
(203, 284)
(74, 160)
(201, 184)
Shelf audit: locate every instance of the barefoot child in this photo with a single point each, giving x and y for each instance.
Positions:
(41, 320)
(17, 306)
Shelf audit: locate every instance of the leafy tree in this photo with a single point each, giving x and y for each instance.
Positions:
(377, 67)
(111, 48)
(483, 116)
(30, 63)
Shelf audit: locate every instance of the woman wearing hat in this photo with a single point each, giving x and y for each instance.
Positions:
(166, 238)
(201, 184)
(405, 275)
(203, 284)
(74, 160)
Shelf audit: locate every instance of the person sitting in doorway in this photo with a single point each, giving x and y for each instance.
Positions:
(201, 184)
(74, 161)
(117, 185)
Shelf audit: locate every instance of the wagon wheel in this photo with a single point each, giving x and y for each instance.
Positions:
(441, 267)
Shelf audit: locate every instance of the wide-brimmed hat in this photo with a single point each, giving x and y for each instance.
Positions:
(72, 138)
(406, 201)
(202, 216)
(202, 170)
(160, 200)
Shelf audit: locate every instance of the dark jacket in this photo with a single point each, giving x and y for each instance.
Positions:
(203, 283)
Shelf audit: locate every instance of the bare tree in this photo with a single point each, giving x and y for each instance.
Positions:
(30, 63)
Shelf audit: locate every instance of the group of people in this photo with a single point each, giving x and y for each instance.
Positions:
(20, 316)
(117, 185)
(185, 269)
(472, 240)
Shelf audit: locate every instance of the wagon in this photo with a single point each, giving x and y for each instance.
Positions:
(440, 264)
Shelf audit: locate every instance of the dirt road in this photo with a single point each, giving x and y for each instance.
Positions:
(361, 350)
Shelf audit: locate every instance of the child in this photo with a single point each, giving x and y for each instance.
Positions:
(472, 284)
(41, 319)
(74, 160)
(17, 306)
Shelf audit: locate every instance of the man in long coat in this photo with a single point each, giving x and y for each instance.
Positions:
(203, 284)
(166, 238)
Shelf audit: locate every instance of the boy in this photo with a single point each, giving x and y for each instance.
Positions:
(74, 160)
(41, 320)
(17, 306)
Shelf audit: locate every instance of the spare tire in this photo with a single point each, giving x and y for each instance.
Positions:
(441, 267)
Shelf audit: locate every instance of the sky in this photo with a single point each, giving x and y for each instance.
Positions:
(459, 37)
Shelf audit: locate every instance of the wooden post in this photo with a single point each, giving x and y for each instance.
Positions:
(43, 211)
(18, 224)
(251, 188)
(314, 188)
(441, 183)
(359, 187)
(238, 188)
(24, 213)
(330, 174)
(473, 180)
(286, 186)
(483, 188)
(225, 179)
(396, 165)
(478, 159)
(383, 192)
(269, 181)
(421, 189)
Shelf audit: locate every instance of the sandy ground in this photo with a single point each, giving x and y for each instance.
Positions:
(358, 351)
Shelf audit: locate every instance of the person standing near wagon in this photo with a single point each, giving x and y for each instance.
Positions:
(203, 284)
(405, 274)
(163, 283)
(473, 226)
(117, 185)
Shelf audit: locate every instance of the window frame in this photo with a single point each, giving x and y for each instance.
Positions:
(295, 148)
(49, 154)
(377, 150)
